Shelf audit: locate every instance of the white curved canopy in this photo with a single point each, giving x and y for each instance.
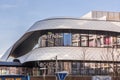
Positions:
(70, 53)
(73, 23)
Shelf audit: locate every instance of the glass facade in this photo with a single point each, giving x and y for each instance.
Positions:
(78, 39)
(75, 68)
(75, 39)
(4, 70)
(68, 38)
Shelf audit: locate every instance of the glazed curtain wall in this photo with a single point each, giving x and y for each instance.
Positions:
(77, 68)
(73, 68)
(51, 39)
(71, 38)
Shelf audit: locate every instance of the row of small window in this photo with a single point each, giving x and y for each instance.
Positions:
(77, 68)
(89, 69)
(77, 39)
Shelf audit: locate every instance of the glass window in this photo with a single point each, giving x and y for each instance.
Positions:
(75, 39)
(107, 41)
(98, 41)
(67, 39)
(114, 40)
(42, 41)
(92, 40)
(118, 40)
(101, 40)
(84, 39)
(50, 39)
(58, 39)
(60, 66)
(76, 68)
(95, 40)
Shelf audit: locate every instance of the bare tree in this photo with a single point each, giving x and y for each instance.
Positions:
(85, 56)
(113, 55)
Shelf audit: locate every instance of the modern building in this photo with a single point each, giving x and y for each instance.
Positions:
(89, 45)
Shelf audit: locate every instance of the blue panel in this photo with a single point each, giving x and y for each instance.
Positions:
(67, 39)
(61, 75)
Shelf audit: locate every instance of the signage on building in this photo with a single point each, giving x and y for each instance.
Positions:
(61, 75)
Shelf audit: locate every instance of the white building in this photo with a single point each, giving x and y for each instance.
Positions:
(89, 45)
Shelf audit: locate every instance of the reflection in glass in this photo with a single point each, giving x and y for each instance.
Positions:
(114, 41)
(42, 41)
(67, 39)
(118, 41)
(92, 39)
(51, 39)
(84, 39)
(75, 39)
(58, 39)
(107, 41)
(98, 41)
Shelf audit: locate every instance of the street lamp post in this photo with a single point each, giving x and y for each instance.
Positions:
(44, 72)
(56, 67)
(56, 62)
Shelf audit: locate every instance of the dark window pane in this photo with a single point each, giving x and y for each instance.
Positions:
(58, 39)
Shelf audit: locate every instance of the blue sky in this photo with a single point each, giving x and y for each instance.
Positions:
(16, 16)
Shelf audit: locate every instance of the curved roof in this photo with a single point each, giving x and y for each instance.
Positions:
(66, 23)
(74, 23)
(70, 53)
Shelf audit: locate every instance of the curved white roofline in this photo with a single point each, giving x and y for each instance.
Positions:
(76, 23)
